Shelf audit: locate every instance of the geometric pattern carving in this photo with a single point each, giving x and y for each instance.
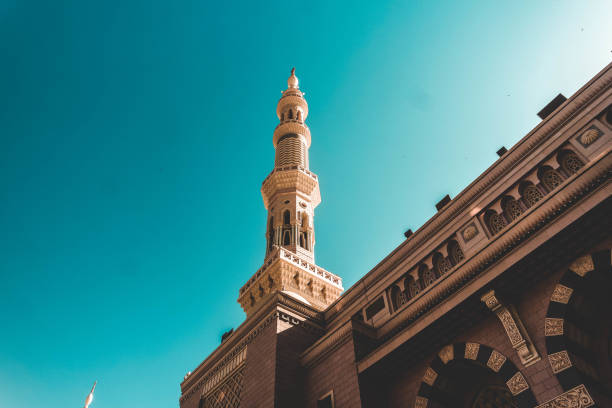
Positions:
(559, 361)
(532, 195)
(430, 376)
(551, 179)
(447, 354)
(471, 351)
(571, 163)
(561, 294)
(553, 326)
(228, 394)
(517, 383)
(577, 397)
(582, 265)
(496, 360)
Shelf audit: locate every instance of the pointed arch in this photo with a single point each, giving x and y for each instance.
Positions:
(286, 217)
(478, 355)
(570, 330)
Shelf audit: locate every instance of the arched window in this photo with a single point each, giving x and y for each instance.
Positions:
(530, 193)
(570, 162)
(287, 237)
(286, 217)
(290, 114)
(455, 254)
(441, 264)
(494, 221)
(299, 115)
(271, 233)
(550, 178)
(397, 297)
(413, 287)
(426, 276)
(302, 240)
(512, 208)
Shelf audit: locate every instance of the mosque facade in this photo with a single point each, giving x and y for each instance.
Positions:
(502, 299)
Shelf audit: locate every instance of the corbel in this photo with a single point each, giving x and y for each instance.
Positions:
(517, 334)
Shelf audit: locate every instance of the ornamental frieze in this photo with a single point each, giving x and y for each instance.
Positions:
(577, 397)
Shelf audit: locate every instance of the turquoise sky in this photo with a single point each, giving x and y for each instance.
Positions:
(136, 134)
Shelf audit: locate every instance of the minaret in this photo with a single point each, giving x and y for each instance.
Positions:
(290, 194)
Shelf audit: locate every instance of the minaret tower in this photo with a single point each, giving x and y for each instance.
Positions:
(290, 194)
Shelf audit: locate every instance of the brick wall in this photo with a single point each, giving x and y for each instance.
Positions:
(258, 391)
(336, 372)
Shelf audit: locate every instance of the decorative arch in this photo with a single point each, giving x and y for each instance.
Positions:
(530, 193)
(441, 264)
(550, 177)
(398, 298)
(562, 335)
(426, 276)
(495, 222)
(485, 356)
(512, 209)
(569, 161)
(412, 287)
(455, 254)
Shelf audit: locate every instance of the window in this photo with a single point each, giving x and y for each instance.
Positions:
(326, 401)
(512, 209)
(286, 217)
(494, 221)
(397, 297)
(413, 287)
(290, 114)
(570, 162)
(426, 276)
(530, 194)
(455, 254)
(441, 265)
(287, 238)
(550, 178)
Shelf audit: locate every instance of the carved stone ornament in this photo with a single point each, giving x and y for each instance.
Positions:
(471, 350)
(517, 334)
(517, 383)
(430, 376)
(577, 397)
(553, 326)
(510, 326)
(559, 361)
(469, 232)
(447, 354)
(582, 265)
(561, 294)
(589, 136)
(496, 361)
(421, 402)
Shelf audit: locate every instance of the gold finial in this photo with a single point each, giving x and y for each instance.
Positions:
(292, 82)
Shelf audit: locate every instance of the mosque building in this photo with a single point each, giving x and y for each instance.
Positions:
(502, 299)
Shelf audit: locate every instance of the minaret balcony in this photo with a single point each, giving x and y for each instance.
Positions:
(285, 271)
(293, 178)
(291, 126)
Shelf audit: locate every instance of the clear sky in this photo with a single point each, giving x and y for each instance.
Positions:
(136, 134)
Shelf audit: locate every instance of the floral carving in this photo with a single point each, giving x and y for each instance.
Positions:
(553, 326)
(496, 361)
(588, 137)
(471, 350)
(447, 354)
(510, 326)
(559, 361)
(469, 232)
(421, 402)
(517, 383)
(561, 294)
(582, 265)
(430, 376)
(577, 397)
